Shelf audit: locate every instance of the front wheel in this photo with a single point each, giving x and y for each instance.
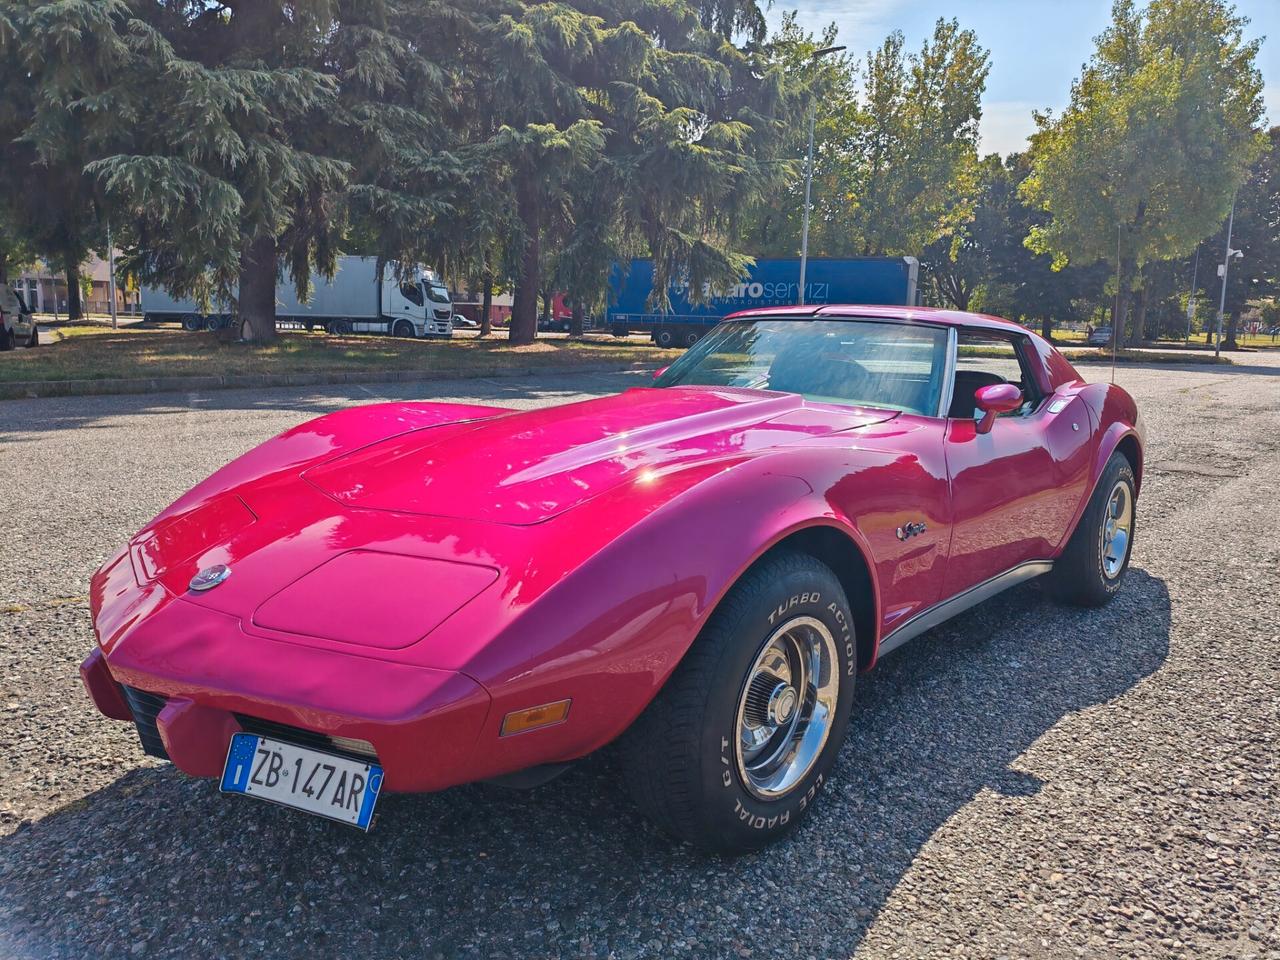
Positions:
(34, 340)
(8, 339)
(1092, 568)
(733, 751)
(404, 328)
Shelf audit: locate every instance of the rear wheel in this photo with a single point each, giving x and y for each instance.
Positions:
(8, 338)
(731, 754)
(1092, 568)
(664, 337)
(690, 338)
(34, 339)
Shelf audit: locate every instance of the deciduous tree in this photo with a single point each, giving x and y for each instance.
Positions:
(1160, 129)
(1255, 275)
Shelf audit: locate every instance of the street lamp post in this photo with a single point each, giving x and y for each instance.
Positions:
(111, 277)
(1191, 297)
(808, 182)
(1226, 267)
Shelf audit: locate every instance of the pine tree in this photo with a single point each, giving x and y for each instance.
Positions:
(51, 207)
(640, 124)
(215, 132)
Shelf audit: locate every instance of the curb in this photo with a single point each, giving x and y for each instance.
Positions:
(39, 389)
(1155, 360)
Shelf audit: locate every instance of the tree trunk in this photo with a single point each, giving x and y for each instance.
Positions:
(1139, 331)
(486, 306)
(258, 290)
(1046, 328)
(546, 307)
(575, 324)
(1124, 301)
(4, 267)
(1128, 269)
(524, 307)
(1229, 335)
(75, 309)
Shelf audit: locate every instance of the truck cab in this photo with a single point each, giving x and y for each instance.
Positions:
(422, 302)
(17, 325)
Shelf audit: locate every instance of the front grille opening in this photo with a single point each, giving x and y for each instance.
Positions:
(344, 746)
(145, 707)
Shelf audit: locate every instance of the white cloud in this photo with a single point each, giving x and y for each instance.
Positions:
(862, 23)
(1005, 126)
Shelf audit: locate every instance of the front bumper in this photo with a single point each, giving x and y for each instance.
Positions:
(199, 685)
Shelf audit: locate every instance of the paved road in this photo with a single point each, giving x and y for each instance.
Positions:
(1026, 781)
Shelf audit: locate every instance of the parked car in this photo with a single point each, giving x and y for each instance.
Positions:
(463, 322)
(560, 324)
(420, 595)
(17, 325)
(1100, 337)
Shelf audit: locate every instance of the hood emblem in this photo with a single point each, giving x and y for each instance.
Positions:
(210, 577)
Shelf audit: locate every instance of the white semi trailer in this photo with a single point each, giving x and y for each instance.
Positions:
(356, 300)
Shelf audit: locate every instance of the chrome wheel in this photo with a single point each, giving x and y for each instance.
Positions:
(787, 706)
(1117, 527)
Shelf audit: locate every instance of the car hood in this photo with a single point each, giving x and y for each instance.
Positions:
(527, 467)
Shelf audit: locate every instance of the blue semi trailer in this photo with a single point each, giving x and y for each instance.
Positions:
(770, 283)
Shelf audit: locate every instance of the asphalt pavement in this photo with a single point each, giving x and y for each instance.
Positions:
(1026, 781)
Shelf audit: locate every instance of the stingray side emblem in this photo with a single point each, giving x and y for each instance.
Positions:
(909, 530)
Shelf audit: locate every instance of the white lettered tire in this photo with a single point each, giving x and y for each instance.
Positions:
(734, 751)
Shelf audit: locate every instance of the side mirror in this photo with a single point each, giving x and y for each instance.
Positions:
(995, 399)
(660, 371)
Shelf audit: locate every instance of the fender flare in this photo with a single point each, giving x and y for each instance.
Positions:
(1110, 441)
(796, 532)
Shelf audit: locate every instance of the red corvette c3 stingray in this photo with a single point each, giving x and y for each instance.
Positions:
(428, 594)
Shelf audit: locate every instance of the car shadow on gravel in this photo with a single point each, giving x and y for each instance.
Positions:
(25, 417)
(160, 865)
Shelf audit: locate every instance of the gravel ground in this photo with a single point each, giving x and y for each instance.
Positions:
(1026, 781)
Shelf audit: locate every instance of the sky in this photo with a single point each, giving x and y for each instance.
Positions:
(1037, 47)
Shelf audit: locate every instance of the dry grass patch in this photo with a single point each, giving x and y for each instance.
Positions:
(95, 352)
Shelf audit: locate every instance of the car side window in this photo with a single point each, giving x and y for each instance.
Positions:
(986, 357)
(411, 292)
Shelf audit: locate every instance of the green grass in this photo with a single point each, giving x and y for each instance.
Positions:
(1123, 355)
(1249, 341)
(95, 352)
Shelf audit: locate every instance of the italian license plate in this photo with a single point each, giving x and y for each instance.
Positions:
(322, 783)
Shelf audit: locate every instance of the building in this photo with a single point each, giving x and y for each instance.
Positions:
(45, 291)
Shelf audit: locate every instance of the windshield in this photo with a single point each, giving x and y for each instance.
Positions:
(851, 362)
(438, 292)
